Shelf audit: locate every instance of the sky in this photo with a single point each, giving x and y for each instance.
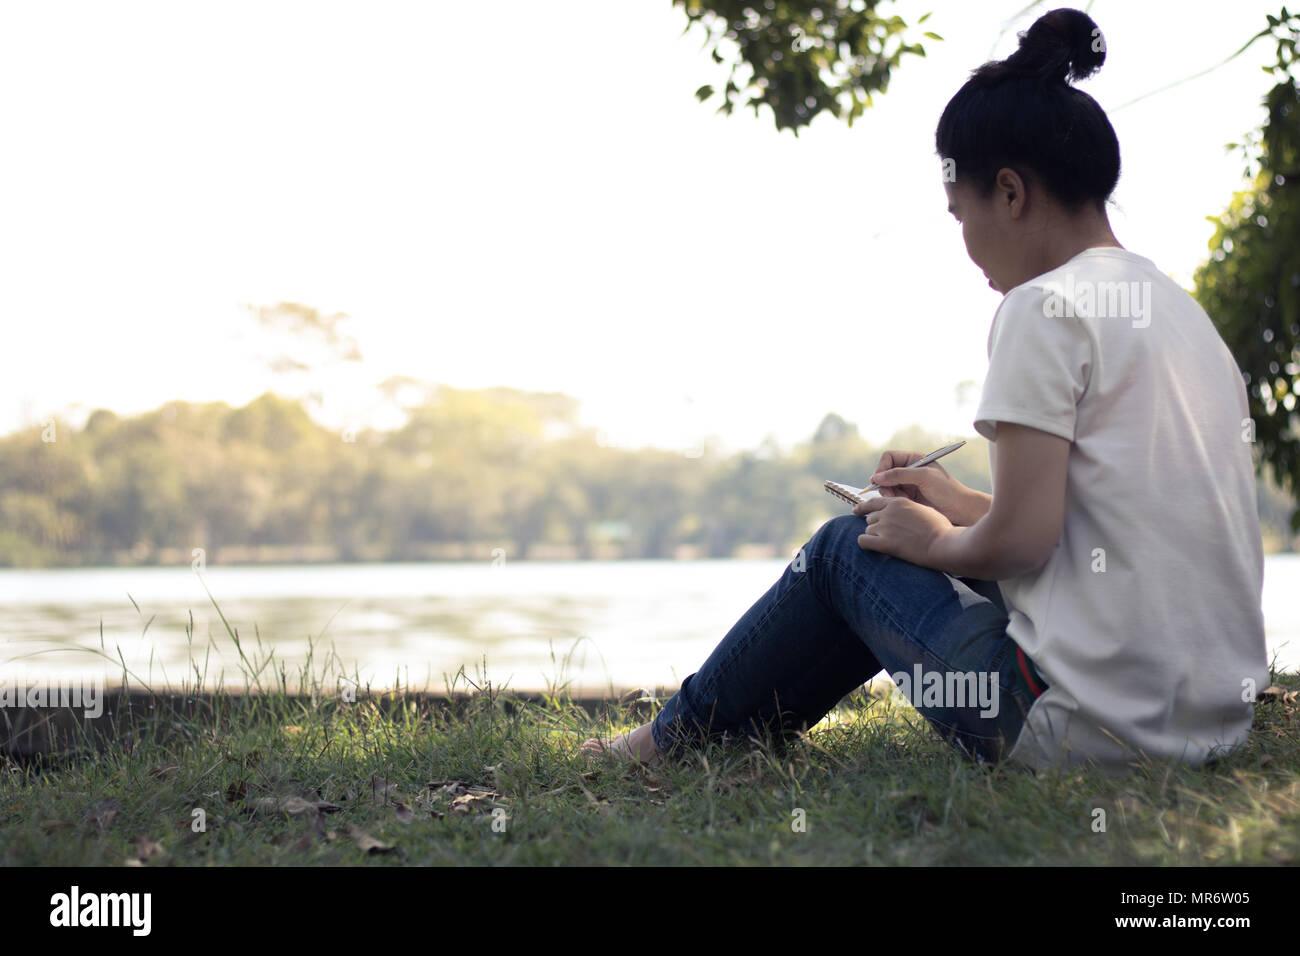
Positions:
(536, 199)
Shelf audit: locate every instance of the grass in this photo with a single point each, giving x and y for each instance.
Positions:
(282, 777)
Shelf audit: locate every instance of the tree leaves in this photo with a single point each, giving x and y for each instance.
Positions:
(1250, 285)
(802, 58)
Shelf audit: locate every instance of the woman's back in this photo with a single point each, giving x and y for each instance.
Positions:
(1146, 619)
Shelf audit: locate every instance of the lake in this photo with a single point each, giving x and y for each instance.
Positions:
(600, 624)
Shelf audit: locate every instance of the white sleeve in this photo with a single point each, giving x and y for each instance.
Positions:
(1039, 367)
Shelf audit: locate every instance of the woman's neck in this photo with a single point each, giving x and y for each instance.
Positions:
(1067, 234)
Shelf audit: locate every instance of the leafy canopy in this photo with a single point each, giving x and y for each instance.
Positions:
(1250, 285)
(802, 58)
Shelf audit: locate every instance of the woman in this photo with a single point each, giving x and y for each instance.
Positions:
(1103, 605)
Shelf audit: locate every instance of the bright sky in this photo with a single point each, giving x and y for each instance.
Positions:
(534, 198)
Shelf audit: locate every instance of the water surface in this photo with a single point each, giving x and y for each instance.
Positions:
(620, 624)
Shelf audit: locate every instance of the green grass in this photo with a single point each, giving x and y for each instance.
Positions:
(874, 786)
(298, 775)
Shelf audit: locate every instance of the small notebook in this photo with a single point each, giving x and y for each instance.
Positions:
(849, 493)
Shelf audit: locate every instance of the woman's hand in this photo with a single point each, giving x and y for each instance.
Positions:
(929, 485)
(903, 528)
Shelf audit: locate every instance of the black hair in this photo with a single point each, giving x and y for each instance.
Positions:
(1022, 113)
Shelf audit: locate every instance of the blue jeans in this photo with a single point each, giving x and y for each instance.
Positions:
(836, 617)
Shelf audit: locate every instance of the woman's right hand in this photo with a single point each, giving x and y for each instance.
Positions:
(929, 485)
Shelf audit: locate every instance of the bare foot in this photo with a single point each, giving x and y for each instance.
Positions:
(638, 744)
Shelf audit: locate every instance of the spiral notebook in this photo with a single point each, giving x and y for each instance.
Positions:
(852, 495)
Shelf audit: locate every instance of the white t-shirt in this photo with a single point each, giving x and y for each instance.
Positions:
(1146, 619)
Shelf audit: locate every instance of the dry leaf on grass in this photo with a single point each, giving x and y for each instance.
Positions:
(368, 844)
(465, 798)
(289, 805)
(292, 806)
(143, 850)
(1277, 692)
(104, 811)
(447, 787)
(464, 803)
(475, 798)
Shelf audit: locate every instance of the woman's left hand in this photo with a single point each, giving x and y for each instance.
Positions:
(902, 528)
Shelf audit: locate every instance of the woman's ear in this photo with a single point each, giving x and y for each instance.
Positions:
(1010, 189)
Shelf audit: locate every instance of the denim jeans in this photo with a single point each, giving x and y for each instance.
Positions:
(836, 617)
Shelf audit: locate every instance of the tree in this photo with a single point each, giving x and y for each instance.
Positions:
(1250, 285)
(803, 57)
(837, 452)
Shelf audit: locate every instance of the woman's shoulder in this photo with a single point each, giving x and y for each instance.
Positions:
(1102, 282)
(1096, 263)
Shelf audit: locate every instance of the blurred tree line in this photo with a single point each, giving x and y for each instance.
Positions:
(468, 472)
(474, 470)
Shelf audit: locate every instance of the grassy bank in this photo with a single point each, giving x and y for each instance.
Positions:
(275, 778)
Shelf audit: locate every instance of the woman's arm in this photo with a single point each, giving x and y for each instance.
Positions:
(974, 507)
(1016, 535)
(1025, 516)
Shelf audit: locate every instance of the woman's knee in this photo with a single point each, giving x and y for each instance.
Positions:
(839, 535)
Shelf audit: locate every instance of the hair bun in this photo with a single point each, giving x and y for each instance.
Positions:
(1061, 45)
